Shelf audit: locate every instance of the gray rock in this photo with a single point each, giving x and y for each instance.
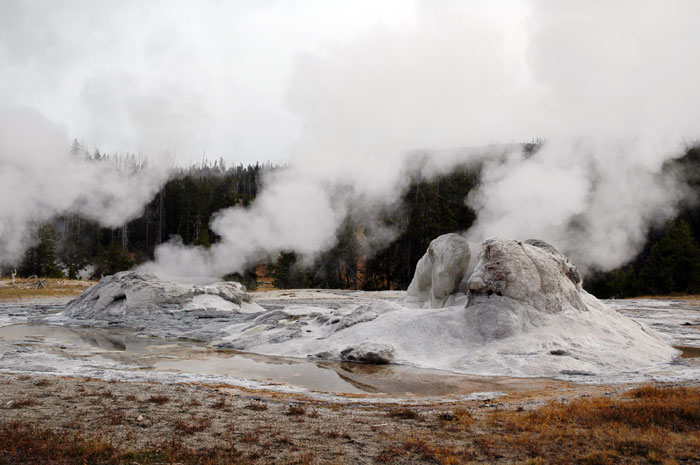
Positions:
(440, 270)
(360, 315)
(141, 301)
(131, 292)
(569, 268)
(533, 273)
(368, 352)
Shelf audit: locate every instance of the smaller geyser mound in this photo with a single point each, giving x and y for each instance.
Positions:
(142, 301)
(440, 271)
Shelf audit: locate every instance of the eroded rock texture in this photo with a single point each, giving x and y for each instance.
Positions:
(532, 273)
(142, 301)
(440, 270)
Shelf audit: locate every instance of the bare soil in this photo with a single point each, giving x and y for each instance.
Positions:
(133, 422)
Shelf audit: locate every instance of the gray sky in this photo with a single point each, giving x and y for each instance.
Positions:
(187, 77)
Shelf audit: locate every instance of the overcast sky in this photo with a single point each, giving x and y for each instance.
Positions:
(271, 80)
(186, 76)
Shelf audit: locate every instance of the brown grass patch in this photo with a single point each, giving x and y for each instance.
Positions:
(116, 417)
(160, 400)
(23, 402)
(639, 427)
(195, 425)
(296, 410)
(646, 425)
(256, 406)
(30, 444)
(220, 404)
(404, 413)
(426, 449)
(26, 288)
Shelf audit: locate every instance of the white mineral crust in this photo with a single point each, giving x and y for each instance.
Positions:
(440, 271)
(526, 314)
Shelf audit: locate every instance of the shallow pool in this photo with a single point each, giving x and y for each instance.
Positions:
(170, 355)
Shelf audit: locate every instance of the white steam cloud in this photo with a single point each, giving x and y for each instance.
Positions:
(40, 178)
(594, 201)
(609, 88)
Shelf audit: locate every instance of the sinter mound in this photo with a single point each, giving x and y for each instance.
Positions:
(526, 314)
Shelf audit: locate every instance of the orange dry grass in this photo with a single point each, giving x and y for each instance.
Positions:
(675, 409)
(645, 425)
(25, 288)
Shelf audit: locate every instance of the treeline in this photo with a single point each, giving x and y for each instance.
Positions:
(182, 208)
(425, 211)
(73, 246)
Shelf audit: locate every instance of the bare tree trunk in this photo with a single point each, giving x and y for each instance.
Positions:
(125, 237)
(160, 218)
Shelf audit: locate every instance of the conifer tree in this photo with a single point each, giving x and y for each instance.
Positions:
(673, 265)
(41, 259)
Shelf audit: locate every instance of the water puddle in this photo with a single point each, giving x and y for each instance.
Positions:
(689, 352)
(191, 357)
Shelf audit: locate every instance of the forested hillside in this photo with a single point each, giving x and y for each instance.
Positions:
(669, 263)
(670, 260)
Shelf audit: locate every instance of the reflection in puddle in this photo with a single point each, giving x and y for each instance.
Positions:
(106, 340)
(689, 352)
(271, 369)
(192, 357)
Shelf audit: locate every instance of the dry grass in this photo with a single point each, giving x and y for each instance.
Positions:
(26, 288)
(22, 402)
(427, 449)
(160, 400)
(404, 413)
(648, 425)
(645, 425)
(195, 425)
(221, 404)
(296, 410)
(459, 419)
(31, 444)
(116, 417)
(256, 406)
(675, 410)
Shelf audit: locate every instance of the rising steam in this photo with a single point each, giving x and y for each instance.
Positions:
(40, 178)
(612, 89)
(607, 98)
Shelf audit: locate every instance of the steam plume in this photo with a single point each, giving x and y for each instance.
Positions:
(611, 94)
(39, 179)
